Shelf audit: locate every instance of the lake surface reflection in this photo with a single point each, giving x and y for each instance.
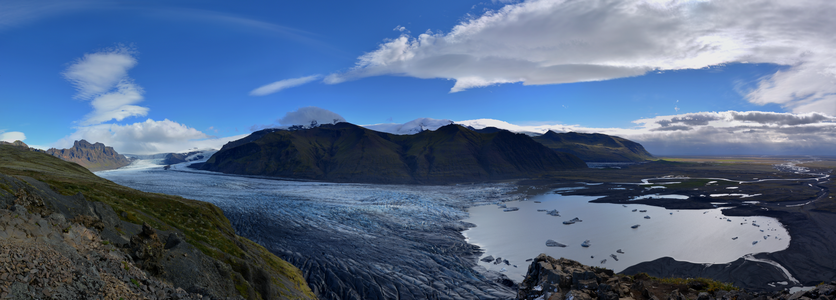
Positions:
(699, 236)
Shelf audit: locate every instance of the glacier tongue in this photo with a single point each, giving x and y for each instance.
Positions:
(379, 241)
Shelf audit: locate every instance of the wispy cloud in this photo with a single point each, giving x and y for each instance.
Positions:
(307, 38)
(554, 41)
(103, 77)
(282, 84)
(12, 136)
(14, 13)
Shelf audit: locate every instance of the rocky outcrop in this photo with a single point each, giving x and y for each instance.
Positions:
(51, 258)
(558, 279)
(94, 157)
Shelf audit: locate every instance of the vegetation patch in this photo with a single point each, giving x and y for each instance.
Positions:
(203, 224)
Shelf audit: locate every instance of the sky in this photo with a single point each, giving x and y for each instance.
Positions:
(742, 77)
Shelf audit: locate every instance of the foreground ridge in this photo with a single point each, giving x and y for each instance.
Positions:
(550, 278)
(61, 207)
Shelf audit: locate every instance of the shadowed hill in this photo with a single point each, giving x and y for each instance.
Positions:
(595, 147)
(348, 153)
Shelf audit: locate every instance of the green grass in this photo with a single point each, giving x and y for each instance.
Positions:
(710, 285)
(707, 284)
(203, 224)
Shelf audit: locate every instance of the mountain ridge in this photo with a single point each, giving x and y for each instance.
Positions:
(595, 147)
(346, 152)
(94, 157)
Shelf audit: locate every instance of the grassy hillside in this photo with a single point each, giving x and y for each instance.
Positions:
(346, 152)
(203, 224)
(595, 147)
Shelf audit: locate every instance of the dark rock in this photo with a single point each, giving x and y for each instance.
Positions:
(506, 281)
(172, 241)
(147, 250)
(550, 278)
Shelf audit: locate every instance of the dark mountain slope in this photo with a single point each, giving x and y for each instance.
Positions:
(95, 157)
(349, 153)
(595, 147)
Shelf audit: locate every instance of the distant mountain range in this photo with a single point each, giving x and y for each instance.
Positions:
(345, 152)
(94, 157)
(589, 147)
(595, 147)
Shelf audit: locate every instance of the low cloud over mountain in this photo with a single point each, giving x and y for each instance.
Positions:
(704, 133)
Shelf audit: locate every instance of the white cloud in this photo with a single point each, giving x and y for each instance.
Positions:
(103, 77)
(707, 133)
(556, 41)
(12, 136)
(411, 127)
(146, 137)
(305, 115)
(97, 73)
(282, 84)
(116, 105)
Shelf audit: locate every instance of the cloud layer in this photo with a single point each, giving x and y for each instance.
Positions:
(12, 136)
(703, 133)
(102, 77)
(305, 115)
(556, 41)
(145, 137)
(282, 84)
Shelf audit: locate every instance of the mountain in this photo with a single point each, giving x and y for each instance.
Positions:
(176, 158)
(94, 157)
(16, 144)
(345, 152)
(114, 241)
(595, 147)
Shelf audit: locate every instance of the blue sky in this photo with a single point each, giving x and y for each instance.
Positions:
(681, 77)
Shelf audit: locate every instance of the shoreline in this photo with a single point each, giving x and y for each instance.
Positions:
(808, 258)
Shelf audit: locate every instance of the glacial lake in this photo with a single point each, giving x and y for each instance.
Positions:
(698, 236)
